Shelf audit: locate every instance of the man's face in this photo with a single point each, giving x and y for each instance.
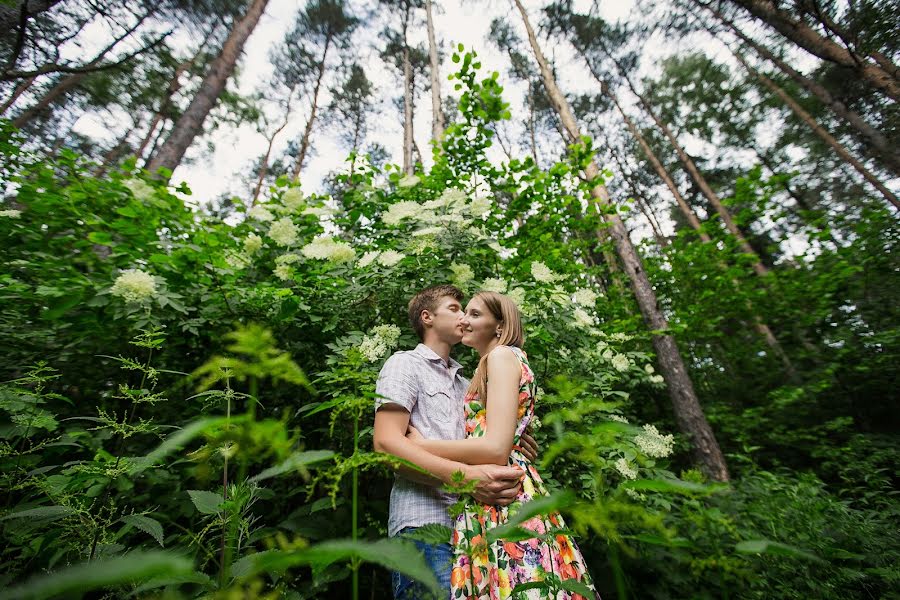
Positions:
(446, 320)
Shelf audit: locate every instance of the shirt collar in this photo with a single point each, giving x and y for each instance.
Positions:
(429, 354)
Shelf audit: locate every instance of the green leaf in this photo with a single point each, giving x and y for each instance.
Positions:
(48, 513)
(179, 440)
(393, 554)
(207, 503)
(100, 237)
(432, 533)
(195, 577)
(573, 585)
(294, 462)
(540, 506)
(97, 574)
(147, 525)
(676, 486)
(61, 306)
(774, 548)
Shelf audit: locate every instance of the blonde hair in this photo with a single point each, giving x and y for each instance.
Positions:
(511, 334)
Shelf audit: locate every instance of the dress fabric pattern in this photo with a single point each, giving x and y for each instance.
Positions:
(490, 571)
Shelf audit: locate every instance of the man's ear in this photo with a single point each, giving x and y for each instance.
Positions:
(427, 318)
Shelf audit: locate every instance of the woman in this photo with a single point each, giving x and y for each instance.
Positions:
(496, 415)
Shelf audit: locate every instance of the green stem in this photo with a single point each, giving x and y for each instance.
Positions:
(225, 550)
(618, 574)
(354, 510)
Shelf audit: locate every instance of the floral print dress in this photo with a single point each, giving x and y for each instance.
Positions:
(490, 571)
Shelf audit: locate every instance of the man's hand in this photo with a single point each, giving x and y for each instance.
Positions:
(413, 434)
(528, 446)
(495, 484)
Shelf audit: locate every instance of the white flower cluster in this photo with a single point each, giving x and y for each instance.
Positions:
(292, 199)
(582, 318)
(237, 260)
(652, 443)
(428, 231)
(626, 470)
(479, 206)
(620, 337)
(379, 341)
(585, 297)
(252, 244)
(398, 211)
(494, 284)
(408, 181)
(389, 258)
(657, 379)
(283, 232)
(260, 213)
(621, 363)
(139, 189)
(517, 295)
(134, 286)
(11, 213)
(542, 272)
(462, 274)
(283, 272)
(326, 248)
(318, 211)
(615, 417)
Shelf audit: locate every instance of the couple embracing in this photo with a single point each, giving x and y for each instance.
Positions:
(429, 414)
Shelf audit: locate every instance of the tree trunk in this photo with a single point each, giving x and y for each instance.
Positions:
(115, 153)
(821, 132)
(643, 206)
(20, 89)
(688, 412)
(157, 119)
(10, 15)
(437, 119)
(190, 124)
(886, 152)
(810, 40)
(307, 131)
(758, 267)
(407, 111)
(65, 84)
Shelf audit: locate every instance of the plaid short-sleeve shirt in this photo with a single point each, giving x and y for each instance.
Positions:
(432, 391)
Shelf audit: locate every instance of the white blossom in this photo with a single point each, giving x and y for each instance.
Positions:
(620, 362)
(398, 211)
(428, 231)
(134, 286)
(517, 295)
(620, 337)
(237, 260)
(287, 259)
(542, 272)
(648, 368)
(451, 198)
(634, 494)
(582, 318)
(368, 258)
(284, 272)
(493, 284)
(626, 470)
(585, 297)
(292, 199)
(652, 443)
(408, 181)
(283, 232)
(379, 341)
(139, 189)
(657, 379)
(462, 273)
(615, 417)
(11, 213)
(479, 206)
(496, 247)
(260, 213)
(389, 258)
(326, 248)
(252, 243)
(317, 211)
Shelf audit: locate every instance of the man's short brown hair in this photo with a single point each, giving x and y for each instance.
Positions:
(428, 299)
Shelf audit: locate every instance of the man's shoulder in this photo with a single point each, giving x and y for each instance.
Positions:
(402, 359)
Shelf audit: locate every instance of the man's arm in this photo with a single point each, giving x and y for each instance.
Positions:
(495, 484)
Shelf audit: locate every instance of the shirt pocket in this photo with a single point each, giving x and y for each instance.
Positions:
(439, 405)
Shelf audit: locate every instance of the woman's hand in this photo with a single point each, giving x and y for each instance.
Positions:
(413, 435)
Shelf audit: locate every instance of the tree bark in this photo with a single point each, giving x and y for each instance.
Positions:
(264, 165)
(437, 119)
(810, 40)
(758, 267)
(407, 111)
(10, 14)
(190, 124)
(307, 131)
(16, 93)
(877, 144)
(688, 412)
(821, 132)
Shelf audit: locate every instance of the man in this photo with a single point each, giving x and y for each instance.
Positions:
(425, 388)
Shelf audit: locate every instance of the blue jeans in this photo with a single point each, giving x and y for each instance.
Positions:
(439, 557)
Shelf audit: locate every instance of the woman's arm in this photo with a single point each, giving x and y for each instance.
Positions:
(504, 374)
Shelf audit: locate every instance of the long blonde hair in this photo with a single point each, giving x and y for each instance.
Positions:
(511, 334)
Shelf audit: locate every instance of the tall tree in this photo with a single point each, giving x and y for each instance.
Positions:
(351, 102)
(190, 124)
(437, 116)
(688, 413)
(880, 73)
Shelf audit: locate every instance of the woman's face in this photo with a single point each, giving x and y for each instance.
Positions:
(479, 326)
